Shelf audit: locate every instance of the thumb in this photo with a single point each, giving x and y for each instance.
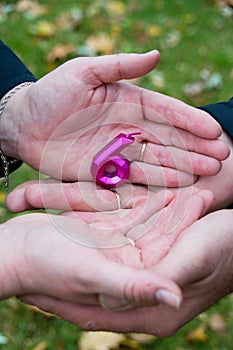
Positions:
(111, 68)
(126, 287)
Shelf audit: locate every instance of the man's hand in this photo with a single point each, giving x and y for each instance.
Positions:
(59, 123)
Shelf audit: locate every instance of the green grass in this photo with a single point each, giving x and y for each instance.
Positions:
(192, 36)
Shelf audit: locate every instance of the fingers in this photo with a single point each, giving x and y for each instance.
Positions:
(143, 173)
(164, 228)
(130, 287)
(159, 320)
(61, 196)
(85, 197)
(196, 255)
(189, 162)
(167, 110)
(143, 206)
(111, 68)
(137, 286)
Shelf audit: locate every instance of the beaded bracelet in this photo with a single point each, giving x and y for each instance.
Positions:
(7, 161)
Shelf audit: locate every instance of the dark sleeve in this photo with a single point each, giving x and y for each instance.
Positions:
(223, 113)
(12, 71)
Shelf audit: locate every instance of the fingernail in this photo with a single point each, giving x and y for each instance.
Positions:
(169, 298)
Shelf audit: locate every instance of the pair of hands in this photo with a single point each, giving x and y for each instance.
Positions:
(195, 254)
(61, 116)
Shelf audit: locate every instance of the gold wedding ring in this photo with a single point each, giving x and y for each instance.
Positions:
(143, 149)
(119, 207)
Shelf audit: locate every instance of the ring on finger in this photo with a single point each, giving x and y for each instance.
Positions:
(143, 149)
(119, 206)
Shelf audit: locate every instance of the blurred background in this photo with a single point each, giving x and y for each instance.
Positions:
(195, 39)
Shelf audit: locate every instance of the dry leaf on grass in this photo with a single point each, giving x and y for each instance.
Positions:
(142, 338)
(31, 7)
(41, 346)
(36, 309)
(69, 20)
(100, 340)
(101, 43)
(217, 323)
(60, 51)
(197, 335)
(44, 29)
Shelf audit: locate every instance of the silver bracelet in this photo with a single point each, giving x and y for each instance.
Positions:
(3, 102)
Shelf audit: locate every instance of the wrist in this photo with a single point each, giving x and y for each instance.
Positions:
(9, 261)
(12, 107)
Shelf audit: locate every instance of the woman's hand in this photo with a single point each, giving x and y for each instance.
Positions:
(200, 262)
(138, 236)
(59, 123)
(38, 258)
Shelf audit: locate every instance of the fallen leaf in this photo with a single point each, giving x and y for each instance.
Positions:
(101, 43)
(44, 29)
(142, 338)
(33, 8)
(115, 8)
(217, 323)
(197, 335)
(154, 31)
(36, 309)
(41, 346)
(60, 51)
(100, 340)
(225, 3)
(131, 344)
(69, 20)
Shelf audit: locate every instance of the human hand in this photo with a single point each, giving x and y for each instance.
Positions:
(221, 185)
(38, 258)
(57, 124)
(151, 239)
(200, 262)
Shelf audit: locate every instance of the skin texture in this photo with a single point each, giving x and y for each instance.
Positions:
(197, 257)
(59, 123)
(200, 261)
(160, 230)
(85, 104)
(70, 259)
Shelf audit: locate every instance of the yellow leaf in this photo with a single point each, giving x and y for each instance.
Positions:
(60, 51)
(101, 43)
(116, 7)
(154, 31)
(45, 29)
(41, 346)
(142, 338)
(197, 335)
(36, 309)
(100, 340)
(131, 344)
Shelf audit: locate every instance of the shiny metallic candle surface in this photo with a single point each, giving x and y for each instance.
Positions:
(109, 167)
